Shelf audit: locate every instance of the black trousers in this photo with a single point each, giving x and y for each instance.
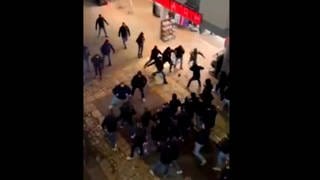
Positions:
(163, 75)
(98, 70)
(134, 146)
(140, 50)
(194, 79)
(141, 90)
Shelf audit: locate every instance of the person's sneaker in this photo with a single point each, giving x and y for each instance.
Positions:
(179, 172)
(151, 172)
(143, 99)
(216, 169)
(129, 158)
(203, 163)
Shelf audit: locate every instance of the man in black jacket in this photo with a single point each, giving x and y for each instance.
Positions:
(97, 62)
(175, 152)
(196, 74)
(159, 65)
(121, 92)
(109, 125)
(139, 81)
(124, 33)
(100, 22)
(127, 112)
(179, 51)
(166, 57)
(154, 54)
(139, 137)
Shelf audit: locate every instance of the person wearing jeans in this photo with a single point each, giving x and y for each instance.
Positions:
(202, 138)
(161, 167)
(109, 124)
(223, 153)
(121, 92)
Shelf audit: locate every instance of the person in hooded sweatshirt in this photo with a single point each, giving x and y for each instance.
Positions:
(139, 81)
(97, 62)
(109, 124)
(106, 51)
(161, 167)
(175, 152)
(124, 33)
(139, 137)
(154, 54)
(127, 112)
(179, 51)
(206, 94)
(158, 62)
(121, 92)
(166, 57)
(196, 74)
(140, 41)
(174, 104)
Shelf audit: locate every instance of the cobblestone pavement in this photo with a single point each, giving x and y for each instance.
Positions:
(97, 94)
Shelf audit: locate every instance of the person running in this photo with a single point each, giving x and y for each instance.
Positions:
(140, 41)
(106, 50)
(179, 51)
(139, 81)
(154, 54)
(159, 65)
(194, 55)
(109, 125)
(124, 33)
(196, 74)
(97, 62)
(100, 22)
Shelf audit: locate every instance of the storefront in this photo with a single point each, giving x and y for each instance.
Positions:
(173, 13)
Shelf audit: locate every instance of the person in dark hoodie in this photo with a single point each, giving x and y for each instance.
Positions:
(97, 62)
(196, 74)
(124, 33)
(166, 57)
(140, 41)
(194, 55)
(121, 92)
(218, 65)
(127, 112)
(206, 94)
(179, 51)
(159, 65)
(139, 81)
(139, 137)
(154, 54)
(162, 166)
(146, 117)
(100, 22)
(222, 83)
(174, 104)
(106, 51)
(175, 152)
(202, 137)
(109, 125)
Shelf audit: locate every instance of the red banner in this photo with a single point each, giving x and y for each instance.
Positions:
(178, 8)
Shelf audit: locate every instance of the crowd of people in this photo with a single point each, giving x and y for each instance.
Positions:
(170, 126)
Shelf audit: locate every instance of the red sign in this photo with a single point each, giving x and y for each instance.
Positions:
(176, 7)
(164, 3)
